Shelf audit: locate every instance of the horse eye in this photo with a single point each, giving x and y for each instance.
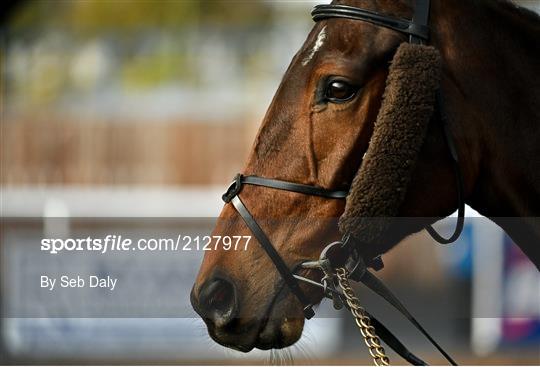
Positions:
(338, 91)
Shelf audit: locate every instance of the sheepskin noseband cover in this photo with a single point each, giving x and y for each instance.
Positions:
(380, 185)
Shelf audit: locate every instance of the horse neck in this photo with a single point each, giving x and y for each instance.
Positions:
(491, 94)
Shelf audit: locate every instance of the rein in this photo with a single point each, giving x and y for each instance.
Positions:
(341, 261)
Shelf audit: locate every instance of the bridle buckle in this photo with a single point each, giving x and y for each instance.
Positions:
(234, 189)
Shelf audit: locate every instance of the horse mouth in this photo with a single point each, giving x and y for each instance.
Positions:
(274, 324)
(284, 319)
(279, 329)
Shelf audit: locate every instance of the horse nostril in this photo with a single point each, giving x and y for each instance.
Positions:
(217, 300)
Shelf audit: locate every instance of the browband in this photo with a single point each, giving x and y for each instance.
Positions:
(417, 28)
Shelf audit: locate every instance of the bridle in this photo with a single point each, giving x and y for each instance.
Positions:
(232, 196)
(418, 31)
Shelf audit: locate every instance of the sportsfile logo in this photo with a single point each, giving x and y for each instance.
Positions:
(119, 243)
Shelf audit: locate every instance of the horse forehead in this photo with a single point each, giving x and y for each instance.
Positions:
(339, 37)
(315, 45)
(328, 38)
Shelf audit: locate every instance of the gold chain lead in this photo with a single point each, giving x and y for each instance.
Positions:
(362, 320)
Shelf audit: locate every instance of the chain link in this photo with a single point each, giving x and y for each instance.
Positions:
(362, 320)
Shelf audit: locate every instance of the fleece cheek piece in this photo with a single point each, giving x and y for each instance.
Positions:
(379, 187)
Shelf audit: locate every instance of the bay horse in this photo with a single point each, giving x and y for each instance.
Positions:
(318, 128)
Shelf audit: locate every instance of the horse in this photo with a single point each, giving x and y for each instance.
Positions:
(318, 128)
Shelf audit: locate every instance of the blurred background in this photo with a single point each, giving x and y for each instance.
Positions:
(144, 110)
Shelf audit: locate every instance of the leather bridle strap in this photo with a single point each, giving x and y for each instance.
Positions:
(294, 187)
(416, 29)
(459, 180)
(375, 284)
(393, 342)
(420, 20)
(272, 253)
(231, 196)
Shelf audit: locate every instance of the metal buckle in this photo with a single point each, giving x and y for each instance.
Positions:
(234, 189)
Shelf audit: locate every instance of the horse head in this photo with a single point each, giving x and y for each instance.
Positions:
(316, 132)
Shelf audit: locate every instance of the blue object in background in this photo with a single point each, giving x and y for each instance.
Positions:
(521, 290)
